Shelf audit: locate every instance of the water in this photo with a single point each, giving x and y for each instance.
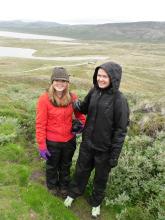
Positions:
(28, 53)
(33, 36)
(16, 52)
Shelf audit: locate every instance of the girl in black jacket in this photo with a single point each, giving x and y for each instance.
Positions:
(103, 136)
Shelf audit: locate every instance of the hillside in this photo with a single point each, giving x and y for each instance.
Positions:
(135, 190)
(135, 31)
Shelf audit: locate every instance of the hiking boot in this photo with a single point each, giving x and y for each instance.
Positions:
(54, 191)
(95, 211)
(68, 201)
(63, 193)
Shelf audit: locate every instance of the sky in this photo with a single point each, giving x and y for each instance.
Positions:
(83, 11)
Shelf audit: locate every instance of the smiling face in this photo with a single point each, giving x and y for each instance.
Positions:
(60, 85)
(103, 79)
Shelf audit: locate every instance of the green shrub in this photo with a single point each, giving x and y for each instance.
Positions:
(27, 122)
(140, 174)
(134, 213)
(22, 113)
(147, 118)
(9, 111)
(157, 206)
(134, 127)
(9, 129)
(153, 125)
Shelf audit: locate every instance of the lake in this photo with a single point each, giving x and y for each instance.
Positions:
(28, 53)
(33, 36)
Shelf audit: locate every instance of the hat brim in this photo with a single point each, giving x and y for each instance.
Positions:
(57, 79)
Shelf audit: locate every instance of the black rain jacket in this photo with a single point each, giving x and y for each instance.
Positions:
(107, 113)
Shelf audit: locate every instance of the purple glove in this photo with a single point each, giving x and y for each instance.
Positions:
(44, 154)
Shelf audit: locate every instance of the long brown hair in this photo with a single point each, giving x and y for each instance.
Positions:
(65, 100)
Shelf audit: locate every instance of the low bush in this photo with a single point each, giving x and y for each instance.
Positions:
(140, 175)
(134, 213)
(9, 129)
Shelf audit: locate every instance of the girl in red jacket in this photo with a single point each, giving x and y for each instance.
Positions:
(54, 131)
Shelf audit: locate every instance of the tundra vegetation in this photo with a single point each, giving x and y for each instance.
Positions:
(136, 188)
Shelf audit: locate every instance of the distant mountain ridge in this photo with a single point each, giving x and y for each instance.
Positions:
(148, 31)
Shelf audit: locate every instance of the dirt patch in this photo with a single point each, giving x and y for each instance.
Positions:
(38, 176)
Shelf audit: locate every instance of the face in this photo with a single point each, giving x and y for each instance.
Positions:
(60, 85)
(103, 79)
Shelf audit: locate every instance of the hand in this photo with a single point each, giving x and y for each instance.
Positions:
(44, 154)
(76, 105)
(113, 163)
(77, 126)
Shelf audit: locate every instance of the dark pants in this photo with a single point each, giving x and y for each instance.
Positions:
(88, 160)
(59, 163)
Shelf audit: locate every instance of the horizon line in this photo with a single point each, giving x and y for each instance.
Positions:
(80, 23)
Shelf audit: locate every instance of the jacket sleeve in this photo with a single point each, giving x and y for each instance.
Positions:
(119, 129)
(41, 123)
(82, 106)
(78, 115)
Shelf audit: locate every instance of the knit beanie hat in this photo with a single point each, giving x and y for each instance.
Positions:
(59, 73)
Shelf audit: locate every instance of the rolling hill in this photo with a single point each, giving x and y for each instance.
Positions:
(148, 31)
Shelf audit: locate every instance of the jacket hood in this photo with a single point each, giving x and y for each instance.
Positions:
(114, 70)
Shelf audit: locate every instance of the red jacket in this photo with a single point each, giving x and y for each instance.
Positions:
(54, 123)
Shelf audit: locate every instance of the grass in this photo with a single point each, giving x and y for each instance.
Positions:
(22, 181)
(32, 202)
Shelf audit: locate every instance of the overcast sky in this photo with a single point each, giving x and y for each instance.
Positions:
(83, 11)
